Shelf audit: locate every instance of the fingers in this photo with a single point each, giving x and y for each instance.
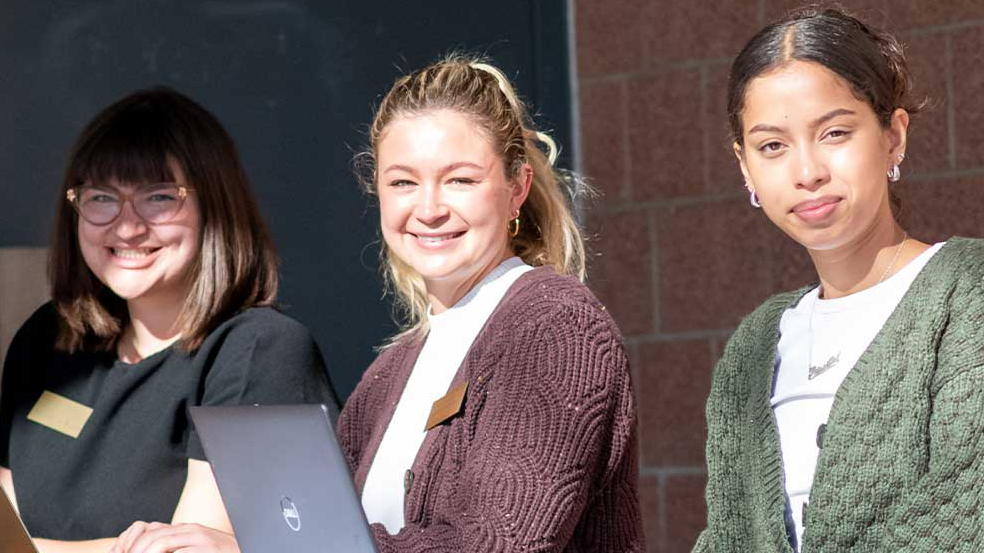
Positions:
(126, 539)
(166, 539)
(182, 538)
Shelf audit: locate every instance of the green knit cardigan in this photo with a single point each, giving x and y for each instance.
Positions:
(901, 465)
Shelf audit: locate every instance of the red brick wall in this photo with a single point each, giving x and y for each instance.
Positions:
(681, 256)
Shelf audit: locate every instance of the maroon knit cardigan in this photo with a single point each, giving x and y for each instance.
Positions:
(543, 456)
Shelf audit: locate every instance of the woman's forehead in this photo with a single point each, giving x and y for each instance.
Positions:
(435, 136)
(796, 90)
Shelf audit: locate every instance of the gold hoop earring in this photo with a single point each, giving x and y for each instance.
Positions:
(513, 225)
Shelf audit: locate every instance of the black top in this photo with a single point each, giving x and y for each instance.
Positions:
(130, 460)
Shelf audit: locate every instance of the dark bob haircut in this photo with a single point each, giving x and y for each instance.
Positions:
(138, 140)
(870, 60)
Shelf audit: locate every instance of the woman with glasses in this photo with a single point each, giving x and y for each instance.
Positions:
(163, 279)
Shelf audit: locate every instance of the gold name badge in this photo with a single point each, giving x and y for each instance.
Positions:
(447, 407)
(60, 414)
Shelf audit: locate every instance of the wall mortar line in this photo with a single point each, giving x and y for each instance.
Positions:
(951, 115)
(625, 188)
(673, 470)
(659, 338)
(934, 29)
(654, 270)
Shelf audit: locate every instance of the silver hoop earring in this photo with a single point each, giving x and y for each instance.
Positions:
(754, 200)
(895, 174)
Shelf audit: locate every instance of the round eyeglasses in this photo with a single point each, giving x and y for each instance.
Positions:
(156, 204)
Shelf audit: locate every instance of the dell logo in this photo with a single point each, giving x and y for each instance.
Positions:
(291, 516)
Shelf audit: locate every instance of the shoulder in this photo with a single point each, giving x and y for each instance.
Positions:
(265, 320)
(960, 261)
(262, 337)
(546, 299)
(763, 322)
(262, 356)
(30, 348)
(388, 361)
(952, 298)
(950, 288)
(751, 342)
(555, 327)
(260, 325)
(44, 317)
(40, 328)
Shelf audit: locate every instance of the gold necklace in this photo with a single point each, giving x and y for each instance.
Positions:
(894, 259)
(816, 370)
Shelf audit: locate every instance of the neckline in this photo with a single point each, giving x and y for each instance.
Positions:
(878, 291)
(461, 307)
(150, 359)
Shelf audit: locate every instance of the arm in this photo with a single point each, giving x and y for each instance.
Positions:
(355, 423)
(200, 522)
(723, 449)
(16, 382)
(943, 509)
(200, 500)
(558, 426)
(89, 546)
(199, 518)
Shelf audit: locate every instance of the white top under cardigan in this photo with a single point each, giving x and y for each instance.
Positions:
(840, 331)
(448, 341)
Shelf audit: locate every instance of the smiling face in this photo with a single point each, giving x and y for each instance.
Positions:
(817, 156)
(445, 200)
(140, 261)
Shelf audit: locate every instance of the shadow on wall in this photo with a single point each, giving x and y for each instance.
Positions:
(23, 288)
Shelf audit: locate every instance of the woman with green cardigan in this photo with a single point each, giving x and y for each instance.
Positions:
(847, 416)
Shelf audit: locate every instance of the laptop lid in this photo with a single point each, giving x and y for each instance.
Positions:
(13, 536)
(283, 478)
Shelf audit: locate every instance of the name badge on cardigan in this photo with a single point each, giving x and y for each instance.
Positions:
(60, 414)
(447, 407)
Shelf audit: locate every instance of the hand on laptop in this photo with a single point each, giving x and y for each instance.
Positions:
(157, 537)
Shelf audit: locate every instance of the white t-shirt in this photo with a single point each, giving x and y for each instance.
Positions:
(448, 341)
(812, 360)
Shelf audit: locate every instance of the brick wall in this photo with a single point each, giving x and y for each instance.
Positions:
(681, 256)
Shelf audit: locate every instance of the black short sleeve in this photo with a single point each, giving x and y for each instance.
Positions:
(267, 360)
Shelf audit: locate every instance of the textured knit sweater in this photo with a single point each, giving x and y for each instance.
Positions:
(543, 455)
(902, 455)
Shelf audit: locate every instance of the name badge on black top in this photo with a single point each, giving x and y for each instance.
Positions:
(60, 414)
(447, 407)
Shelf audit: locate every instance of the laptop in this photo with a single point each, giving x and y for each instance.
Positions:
(13, 535)
(283, 478)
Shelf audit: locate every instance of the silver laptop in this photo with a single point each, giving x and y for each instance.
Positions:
(283, 478)
(13, 536)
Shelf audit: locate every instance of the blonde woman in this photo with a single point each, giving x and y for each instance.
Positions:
(501, 418)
